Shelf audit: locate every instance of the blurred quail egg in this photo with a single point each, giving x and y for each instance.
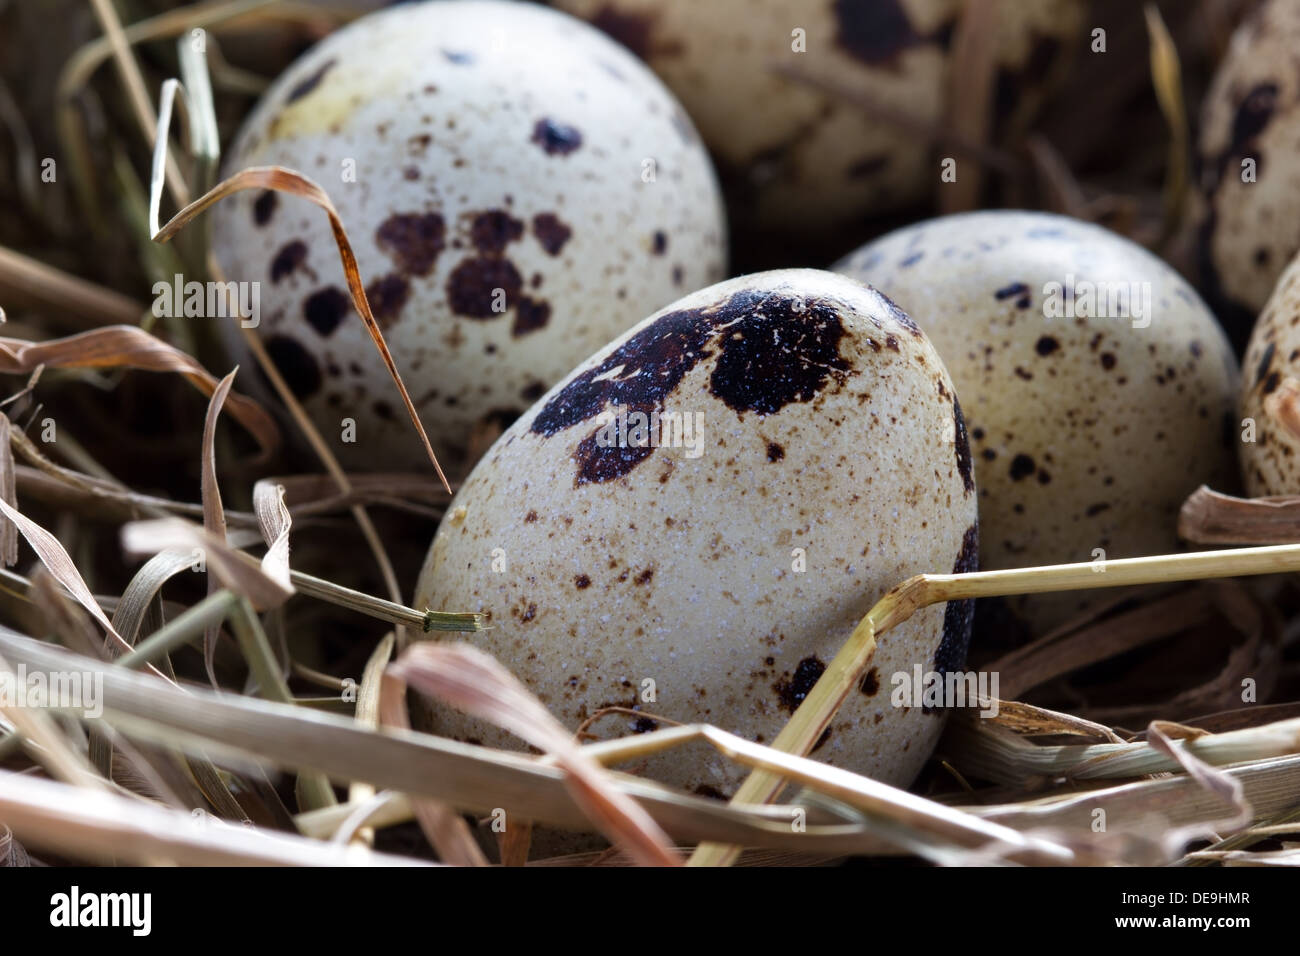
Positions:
(803, 158)
(1249, 223)
(808, 456)
(518, 188)
(1270, 463)
(1097, 386)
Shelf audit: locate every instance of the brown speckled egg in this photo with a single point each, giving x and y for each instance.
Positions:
(1249, 207)
(1270, 465)
(713, 579)
(797, 155)
(1089, 424)
(519, 189)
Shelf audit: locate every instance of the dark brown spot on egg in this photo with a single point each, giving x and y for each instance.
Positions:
(295, 364)
(493, 230)
(412, 240)
(773, 350)
(1107, 360)
(1018, 291)
(582, 582)
(555, 138)
(530, 517)
(264, 207)
(1271, 383)
(962, 444)
(530, 315)
(311, 82)
(644, 576)
(473, 284)
(325, 308)
(289, 258)
(1046, 345)
(551, 232)
(1093, 510)
(870, 682)
(387, 295)
(643, 725)
(1265, 361)
(778, 355)
(774, 451)
(659, 242)
(532, 392)
(790, 692)
(958, 615)
(874, 32)
(1022, 466)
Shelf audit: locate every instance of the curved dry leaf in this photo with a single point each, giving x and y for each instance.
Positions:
(144, 587)
(226, 562)
(476, 684)
(285, 180)
(11, 851)
(1223, 785)
(214, 515)
(57, 561)
(274, 520)
(442, 825)
(123, 346)
(1210, 517)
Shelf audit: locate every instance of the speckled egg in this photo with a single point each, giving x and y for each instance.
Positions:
(797, 155)
(1249, 222)
(822, 461)
(519, 190)
(1270, 464)
(1097, 386)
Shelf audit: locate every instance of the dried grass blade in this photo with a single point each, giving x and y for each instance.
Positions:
(57, 561)
(367, 710)
(144, 587)
(123, 346)
(443, 827)
(286, 180)
(214, 515)
(274, 520)
(1166, 77)
(1209, 517)
(228, 564)
(107, 827)
(1222, 785)
(9, 494)
(474, 683)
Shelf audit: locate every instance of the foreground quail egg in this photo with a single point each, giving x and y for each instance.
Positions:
(799, 156)
(518, 188)
(1270, 464)
(712, 578)
(1097, 387)
(1249, 176)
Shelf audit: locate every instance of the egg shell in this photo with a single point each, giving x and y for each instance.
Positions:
(1249, 217)
(830, 441)
(483, 156)
(1270, 465)
(799, 156)
(1087, 432)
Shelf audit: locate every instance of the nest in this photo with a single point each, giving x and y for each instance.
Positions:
(1162, 729)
